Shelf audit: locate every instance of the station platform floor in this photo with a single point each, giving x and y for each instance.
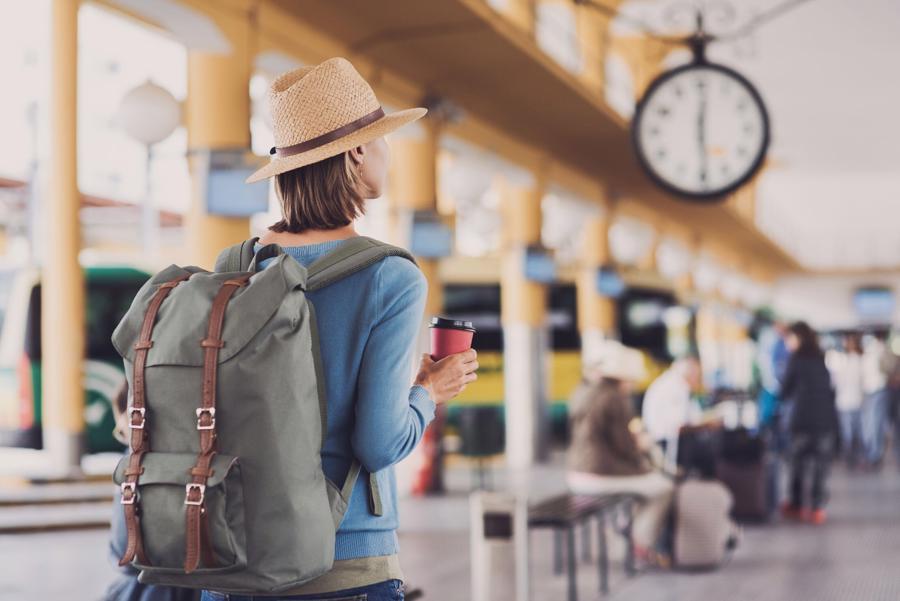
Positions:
(851, 558)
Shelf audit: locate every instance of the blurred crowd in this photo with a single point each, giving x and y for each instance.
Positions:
(816, 399)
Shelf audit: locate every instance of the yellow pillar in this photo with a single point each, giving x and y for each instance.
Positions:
(412, 186)
(648, 261)
(593, 37)
(523, 310)
(62, 289)
(520, 12)
(684, 286)
(644, 57)
(522, 301)
(218, 118)
(596, 313)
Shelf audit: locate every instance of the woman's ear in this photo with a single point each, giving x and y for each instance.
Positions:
(356, 154)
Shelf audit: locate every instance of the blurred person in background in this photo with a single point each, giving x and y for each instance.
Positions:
(771, 359)
(846, 367)
(813, 426)
(607, 454)
(669, 405)
(892, 371)
(875, 404)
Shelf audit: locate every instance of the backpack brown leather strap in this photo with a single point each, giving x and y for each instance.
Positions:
(140, 438)
(196, 532)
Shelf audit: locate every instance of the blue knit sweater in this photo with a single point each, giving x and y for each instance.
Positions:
(368, 326)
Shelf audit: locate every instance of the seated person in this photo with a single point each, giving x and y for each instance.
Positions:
(669, 406)
(605, 456)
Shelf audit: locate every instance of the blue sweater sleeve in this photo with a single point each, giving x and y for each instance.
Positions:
(390, 415)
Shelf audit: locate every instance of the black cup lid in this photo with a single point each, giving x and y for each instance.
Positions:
(451, 324)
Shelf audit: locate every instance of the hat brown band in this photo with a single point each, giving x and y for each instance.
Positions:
(329, 136)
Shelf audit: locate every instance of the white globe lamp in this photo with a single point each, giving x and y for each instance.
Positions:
(149, 114)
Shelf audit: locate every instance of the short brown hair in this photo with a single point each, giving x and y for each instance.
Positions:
(321, 196)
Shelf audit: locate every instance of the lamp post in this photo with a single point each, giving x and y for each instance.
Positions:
(149, 114)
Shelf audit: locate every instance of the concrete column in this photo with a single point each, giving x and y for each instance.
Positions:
(596, 313)
(648, 261)
(593, 36)
(684, 286)
(218, 118)
(523, 314)
(63, 289)
(520, 12)
(412, 186)
(643, 56)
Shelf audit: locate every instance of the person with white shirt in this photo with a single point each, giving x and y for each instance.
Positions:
(875, 401)
(668, 405)
(846, 369)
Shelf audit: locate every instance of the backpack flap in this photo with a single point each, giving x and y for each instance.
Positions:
(182, 320)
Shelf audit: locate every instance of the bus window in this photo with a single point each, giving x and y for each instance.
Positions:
(107, 303)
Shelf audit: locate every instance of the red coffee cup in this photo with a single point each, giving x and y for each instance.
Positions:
(449, 336)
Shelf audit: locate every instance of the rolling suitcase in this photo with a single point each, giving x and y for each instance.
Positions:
(750, 471)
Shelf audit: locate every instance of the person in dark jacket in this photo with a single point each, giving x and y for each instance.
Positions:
(814, 423)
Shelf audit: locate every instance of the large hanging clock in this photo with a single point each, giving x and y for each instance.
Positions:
(701, 130)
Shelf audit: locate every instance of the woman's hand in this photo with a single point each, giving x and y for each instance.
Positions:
(448, 377)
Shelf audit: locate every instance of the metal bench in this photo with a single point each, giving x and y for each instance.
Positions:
(564, 513)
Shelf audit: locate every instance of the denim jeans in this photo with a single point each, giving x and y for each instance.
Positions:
(874, 422)
(389, 590)
(851, 435)
(810, 457)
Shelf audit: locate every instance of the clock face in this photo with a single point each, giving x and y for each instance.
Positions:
(701, 131)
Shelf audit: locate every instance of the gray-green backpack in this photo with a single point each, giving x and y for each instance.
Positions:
(224, 488)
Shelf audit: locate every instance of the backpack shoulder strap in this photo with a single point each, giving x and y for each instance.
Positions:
(353, 255)
(236, 257)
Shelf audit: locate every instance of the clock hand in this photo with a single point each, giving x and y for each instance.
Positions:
(701, 132)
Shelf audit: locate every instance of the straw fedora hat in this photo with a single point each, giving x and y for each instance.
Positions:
(321, 111)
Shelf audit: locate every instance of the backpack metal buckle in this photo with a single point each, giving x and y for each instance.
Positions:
(129, 493)
(131, 413)
(211, 411)
(189, 488)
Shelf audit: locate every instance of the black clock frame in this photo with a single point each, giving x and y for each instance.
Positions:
(714, 195)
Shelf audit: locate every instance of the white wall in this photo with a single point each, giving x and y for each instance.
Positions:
(827, 301)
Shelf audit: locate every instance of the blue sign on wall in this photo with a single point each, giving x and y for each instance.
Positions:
(540, 266)
(430, 237)
(226, 193)
(609, 283)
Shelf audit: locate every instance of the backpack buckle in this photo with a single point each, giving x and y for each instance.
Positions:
(132, 411)
(129, 493)
(189, 488)
(201, 411)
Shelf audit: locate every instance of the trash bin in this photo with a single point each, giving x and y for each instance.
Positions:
(482, 433)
